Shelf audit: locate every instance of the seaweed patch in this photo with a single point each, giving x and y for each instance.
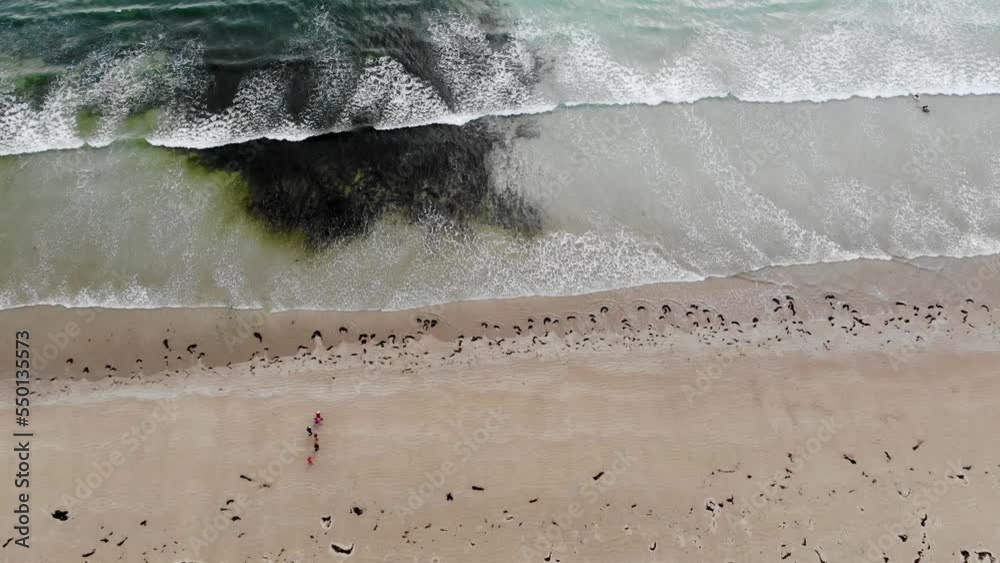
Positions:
(335, 186)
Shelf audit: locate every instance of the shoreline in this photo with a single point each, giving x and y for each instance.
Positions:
(792, 206)
(458, 120)
(96, 343)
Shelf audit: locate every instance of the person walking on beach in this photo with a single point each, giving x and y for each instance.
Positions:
(318, 419)
(315, 443)
(309, 460)
(309, 430)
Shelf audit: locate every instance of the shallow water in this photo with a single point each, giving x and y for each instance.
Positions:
(627, 196)
(355, 155)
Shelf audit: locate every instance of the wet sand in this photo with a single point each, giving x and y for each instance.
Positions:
(822, 414)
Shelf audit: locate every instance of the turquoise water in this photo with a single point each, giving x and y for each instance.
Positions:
(353, 155)
(201, 74)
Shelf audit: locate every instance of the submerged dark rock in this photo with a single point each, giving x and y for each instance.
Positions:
(335, 186)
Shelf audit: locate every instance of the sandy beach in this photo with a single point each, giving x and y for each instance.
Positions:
(826, 413)
(615, 281)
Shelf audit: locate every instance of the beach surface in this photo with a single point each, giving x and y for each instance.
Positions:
(599, 281)
(829, 413)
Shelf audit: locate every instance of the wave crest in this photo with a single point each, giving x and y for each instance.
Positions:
(438, 67)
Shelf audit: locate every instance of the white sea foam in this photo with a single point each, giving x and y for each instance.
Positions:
(846, 53)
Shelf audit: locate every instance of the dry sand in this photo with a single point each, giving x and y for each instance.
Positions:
(855, 420)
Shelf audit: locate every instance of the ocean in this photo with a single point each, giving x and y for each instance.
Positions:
(344, 154)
